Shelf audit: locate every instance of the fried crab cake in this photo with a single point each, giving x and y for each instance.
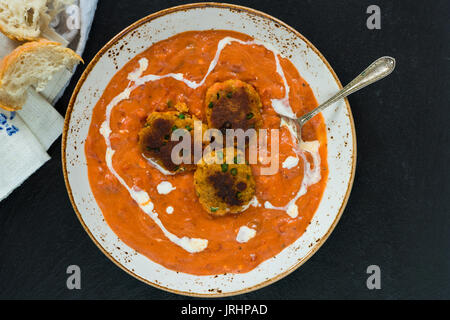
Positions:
(155, 139)
(224, 188)
(233, 104)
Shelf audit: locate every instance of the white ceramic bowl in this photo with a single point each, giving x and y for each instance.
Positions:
(159, 26)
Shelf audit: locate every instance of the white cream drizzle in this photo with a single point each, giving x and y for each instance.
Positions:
(281, 106)
(158, 167)
(310, 176)
(169, 210)
(290, 162)
(254, 203)
(141, 197)
(136, 74)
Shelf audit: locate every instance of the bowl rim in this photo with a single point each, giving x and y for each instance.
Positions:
(129, 29)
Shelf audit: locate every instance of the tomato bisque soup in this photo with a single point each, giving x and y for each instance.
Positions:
(158, 213)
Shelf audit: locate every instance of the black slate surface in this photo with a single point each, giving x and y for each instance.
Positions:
(398, 215)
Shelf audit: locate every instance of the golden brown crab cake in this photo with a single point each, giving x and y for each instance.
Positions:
(155, 138)
(224, 188)
(233, 104)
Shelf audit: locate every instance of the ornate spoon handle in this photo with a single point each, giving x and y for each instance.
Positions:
(376, 71)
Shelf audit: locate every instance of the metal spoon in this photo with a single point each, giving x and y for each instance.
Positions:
(376, 71)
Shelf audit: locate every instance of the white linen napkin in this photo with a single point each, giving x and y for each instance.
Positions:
(26, 135)
(42, 119)
(21, 155)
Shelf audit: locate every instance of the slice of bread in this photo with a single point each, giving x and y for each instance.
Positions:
(31, 65)
(25, 20)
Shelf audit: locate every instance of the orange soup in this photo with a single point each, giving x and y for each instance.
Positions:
(159, 224)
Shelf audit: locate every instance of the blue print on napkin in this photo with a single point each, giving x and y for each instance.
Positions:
(9, 128)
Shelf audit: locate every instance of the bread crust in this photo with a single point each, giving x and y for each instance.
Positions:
(46, 11)
(9, 108)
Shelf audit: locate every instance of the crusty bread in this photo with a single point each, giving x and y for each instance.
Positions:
(32, 64)
(24, 20)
